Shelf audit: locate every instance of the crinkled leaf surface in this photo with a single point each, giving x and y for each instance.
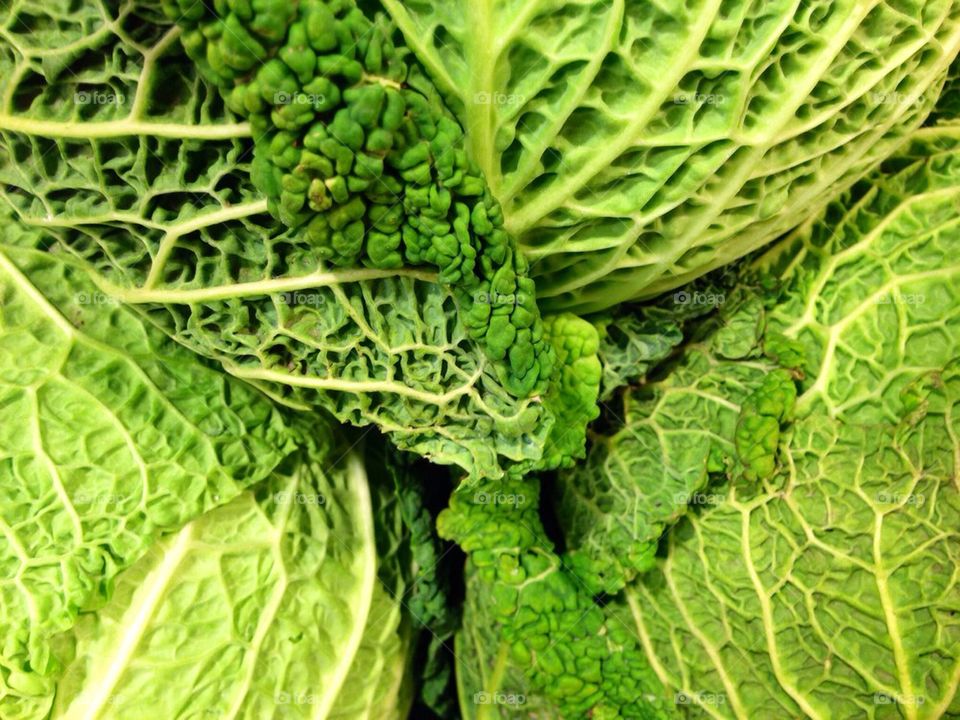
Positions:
(421, 572)
(828, 591)
(574, 388)
(267, 607)
(636, 145)
(639, 480)
(354, 147)
(110, 436)
(947, 110)
(828, 586)
(873, 287)
(488, 685)
(534, 641)
(630, 345)
(113, 146)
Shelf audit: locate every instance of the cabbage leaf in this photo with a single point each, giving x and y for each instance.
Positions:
(634, 146)
(133, 164)
(826, 585)
(110, 436)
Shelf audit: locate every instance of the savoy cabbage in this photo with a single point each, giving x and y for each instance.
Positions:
(415, 359)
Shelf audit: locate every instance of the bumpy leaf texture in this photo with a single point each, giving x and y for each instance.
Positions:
(424, 571)
(354, 147)
(270, 606)
(110, 436)
(534, 642)
(630, 345)
(634, 146)
(640, 479)
(806, 442)
(172, 543)
(115, 147)
(827, 586)
(827, 591)
(948, 106)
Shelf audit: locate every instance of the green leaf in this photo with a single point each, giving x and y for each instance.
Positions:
(870, 290)
(355, 149)
(267, 606)
(827, 592)
(655, 465)
(764, 410)
(111, 435)
(534, 642)
(572, 395)
(635, 146)
(947, 110)
(134, 166)
(822, 582)
(419, 568)
(630, 345)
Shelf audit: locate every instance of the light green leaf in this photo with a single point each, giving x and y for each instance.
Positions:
(829, 588)
(534, 642)
(265, 607)
(635, 146)
(572, 395)
(830, 591)
(655, 465)
(871, 290)
(134, 166)
(110, 436)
